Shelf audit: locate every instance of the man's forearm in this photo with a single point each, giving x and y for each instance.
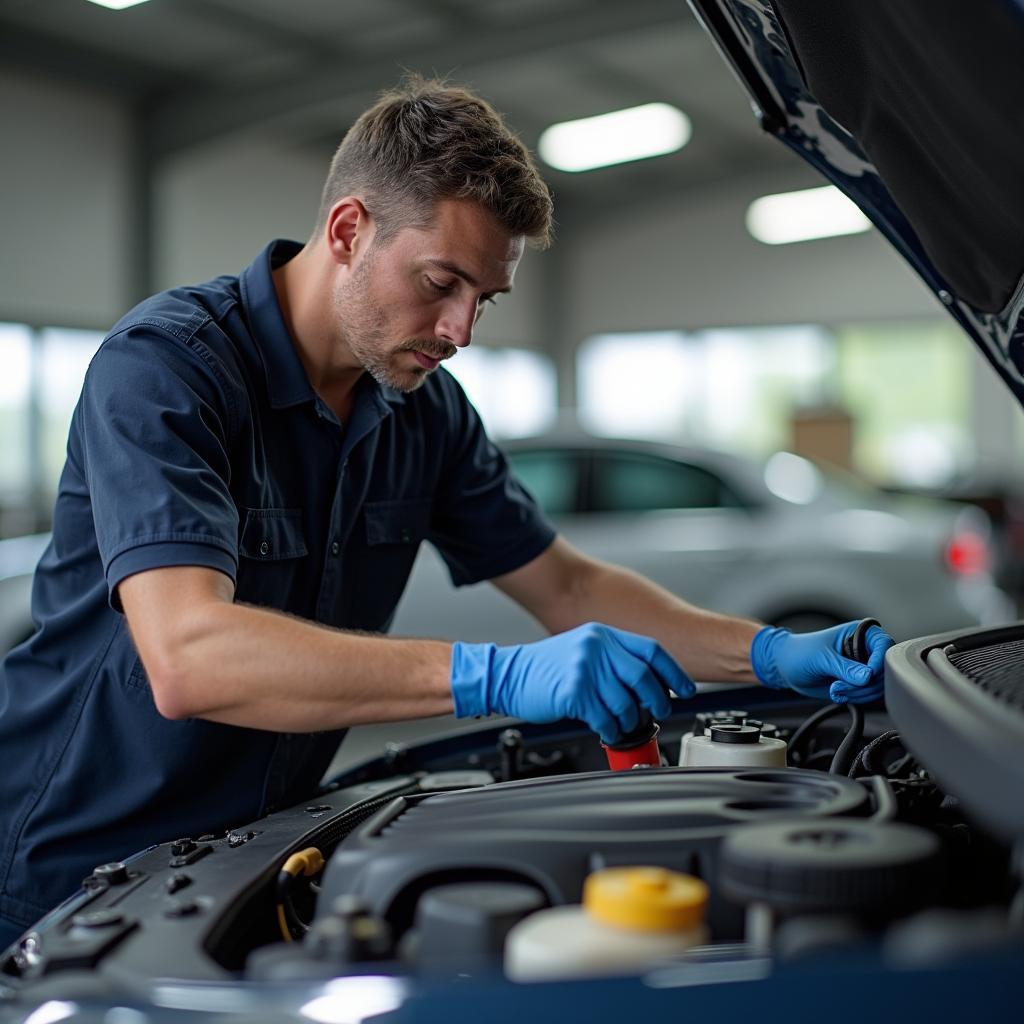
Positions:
(259, 668)
(711, 647)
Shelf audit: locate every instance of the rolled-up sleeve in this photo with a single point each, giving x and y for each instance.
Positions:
(484, 522)
(154, 421)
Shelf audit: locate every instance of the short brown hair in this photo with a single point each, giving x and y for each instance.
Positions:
(426, 141)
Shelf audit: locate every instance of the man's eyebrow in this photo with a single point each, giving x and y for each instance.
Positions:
(454, 268)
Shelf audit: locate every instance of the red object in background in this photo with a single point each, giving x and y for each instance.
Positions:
(967, 553)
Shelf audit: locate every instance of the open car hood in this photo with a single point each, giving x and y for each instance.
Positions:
(915, 110)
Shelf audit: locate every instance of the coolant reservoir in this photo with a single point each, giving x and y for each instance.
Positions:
(705, 719)
(630, 918)
(733, 745)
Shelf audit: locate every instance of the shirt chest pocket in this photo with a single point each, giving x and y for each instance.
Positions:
(271, 549)
(394, 530)
(390, 523)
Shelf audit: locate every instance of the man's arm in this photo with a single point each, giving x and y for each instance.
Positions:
(563, 588)
(207, 657)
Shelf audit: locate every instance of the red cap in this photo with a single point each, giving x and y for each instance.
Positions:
(647, 752)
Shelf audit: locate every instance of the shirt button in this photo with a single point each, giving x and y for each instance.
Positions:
(406, 535)
(335, 548)
(264, 548)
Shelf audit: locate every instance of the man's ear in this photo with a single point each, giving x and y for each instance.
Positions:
(349, 230)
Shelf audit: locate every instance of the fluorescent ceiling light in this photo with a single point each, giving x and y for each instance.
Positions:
(799, 216)
(117, 5)
(615, 138)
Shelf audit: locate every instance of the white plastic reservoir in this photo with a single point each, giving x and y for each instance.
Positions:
(732, 745)
(630, 919)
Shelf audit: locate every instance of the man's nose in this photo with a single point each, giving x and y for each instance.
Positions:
(456, 323)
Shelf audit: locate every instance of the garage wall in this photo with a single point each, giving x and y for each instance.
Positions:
(215, 208)
(686, 262)
(63, 208)
(689, 262)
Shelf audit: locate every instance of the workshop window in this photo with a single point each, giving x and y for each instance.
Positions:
(755, 379)
(513, 389)
(908, 387)
(734, 389)
(637, 385)
(15, 430)
(64, 356)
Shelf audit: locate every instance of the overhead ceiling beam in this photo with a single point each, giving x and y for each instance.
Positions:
(200, 116)
(269, 30)
(78, 63)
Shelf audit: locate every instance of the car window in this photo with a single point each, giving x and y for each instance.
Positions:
(628, 482)
(552, 478)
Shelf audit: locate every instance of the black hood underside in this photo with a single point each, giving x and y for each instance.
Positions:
(915, 110)
(933, 91)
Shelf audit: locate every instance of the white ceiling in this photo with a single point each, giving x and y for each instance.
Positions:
(299, 71)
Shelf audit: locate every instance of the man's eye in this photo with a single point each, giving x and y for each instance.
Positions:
(482, 305)
(437, 286)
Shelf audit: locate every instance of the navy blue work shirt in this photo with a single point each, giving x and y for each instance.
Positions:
(198, 440)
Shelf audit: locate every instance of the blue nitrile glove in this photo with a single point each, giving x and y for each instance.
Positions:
(813, 663)
(594, 673)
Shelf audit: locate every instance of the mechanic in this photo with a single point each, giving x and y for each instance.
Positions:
(251, 467)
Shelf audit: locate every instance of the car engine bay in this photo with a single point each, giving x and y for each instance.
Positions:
(423, 863)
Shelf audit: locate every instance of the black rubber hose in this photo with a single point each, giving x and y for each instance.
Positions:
(886, 805)
(865, 760)
(850, 746)
(855, 647)
(847, 749)
(806, 728)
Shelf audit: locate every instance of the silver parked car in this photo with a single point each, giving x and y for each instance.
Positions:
(782, 541)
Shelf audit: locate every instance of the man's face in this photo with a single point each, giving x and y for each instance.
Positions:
(413, 301)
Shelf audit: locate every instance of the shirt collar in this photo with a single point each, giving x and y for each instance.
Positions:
(287, 383)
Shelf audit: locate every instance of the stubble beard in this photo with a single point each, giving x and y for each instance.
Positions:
(362, 323)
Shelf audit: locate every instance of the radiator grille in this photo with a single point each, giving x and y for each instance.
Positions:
(997, 669)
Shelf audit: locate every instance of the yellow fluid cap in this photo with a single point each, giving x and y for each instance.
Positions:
(645, 898)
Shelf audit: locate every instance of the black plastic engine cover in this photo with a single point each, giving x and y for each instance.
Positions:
(553, 832)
